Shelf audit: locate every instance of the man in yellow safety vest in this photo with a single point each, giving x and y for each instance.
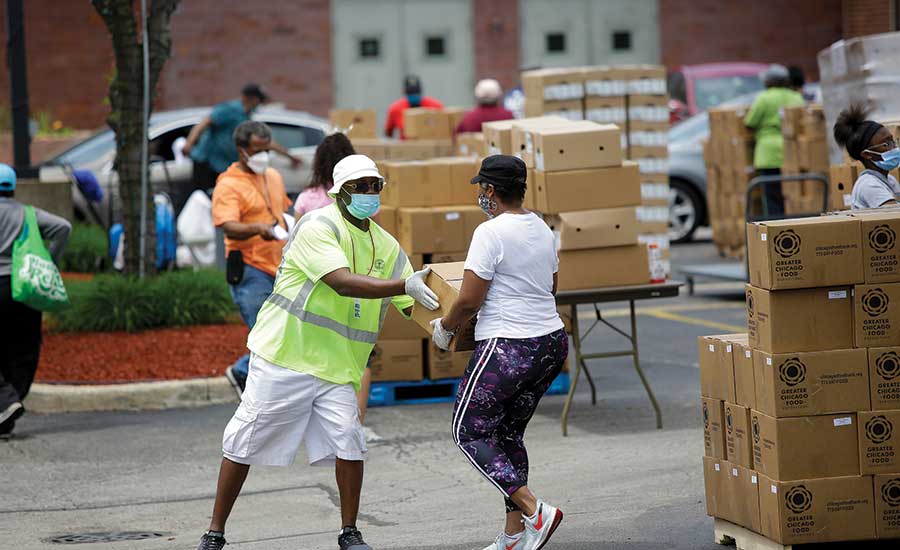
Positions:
(339, 273)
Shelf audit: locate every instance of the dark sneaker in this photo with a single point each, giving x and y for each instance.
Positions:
(211, 541)
(238, 382)
(12, 412)
(351, 539)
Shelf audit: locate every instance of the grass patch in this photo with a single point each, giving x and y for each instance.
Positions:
(86, 251)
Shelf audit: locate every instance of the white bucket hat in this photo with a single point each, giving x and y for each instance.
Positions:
(488, 90)
(351, 168)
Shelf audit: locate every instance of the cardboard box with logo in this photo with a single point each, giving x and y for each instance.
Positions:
(441, 229)
(804, 253)
(356, 123)
(887, 506)
(738, 440)
(713, 411)
(805, 447)
(445, 364)
(877, 315)
(744, 384)
(397, 360)
(802, 384)
(577, 146)
(600, 267)
(817, 510)
(880, 250)
(574, 190)
(884, 378)
(879, 442)
(788, 321)
(446, 280)
(594, 228)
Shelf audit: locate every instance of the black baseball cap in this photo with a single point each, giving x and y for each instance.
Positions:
(255, 90)
(502, 171)
(412, 85)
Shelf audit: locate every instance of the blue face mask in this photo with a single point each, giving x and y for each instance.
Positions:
(889, 159)
(414, 99)
(363, 206)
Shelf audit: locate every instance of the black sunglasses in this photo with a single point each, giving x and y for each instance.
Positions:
(365, 187)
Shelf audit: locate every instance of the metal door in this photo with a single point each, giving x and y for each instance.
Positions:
(375, 43)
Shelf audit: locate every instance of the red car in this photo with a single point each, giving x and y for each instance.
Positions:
(696, 88)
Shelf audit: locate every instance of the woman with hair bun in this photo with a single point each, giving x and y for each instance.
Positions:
(872, 144)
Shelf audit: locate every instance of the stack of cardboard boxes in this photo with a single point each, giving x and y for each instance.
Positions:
(805, 151)
(588, 194)
(634, 98)
(729, 168)
(800, 413)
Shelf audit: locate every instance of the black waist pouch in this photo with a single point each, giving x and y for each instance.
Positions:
(234, 267)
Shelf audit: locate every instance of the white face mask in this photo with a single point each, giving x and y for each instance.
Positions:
(258, 162)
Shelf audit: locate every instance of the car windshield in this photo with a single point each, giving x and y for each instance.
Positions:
(709, 92)
(88, 150)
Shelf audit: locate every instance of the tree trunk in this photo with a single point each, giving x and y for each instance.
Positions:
(126, 97)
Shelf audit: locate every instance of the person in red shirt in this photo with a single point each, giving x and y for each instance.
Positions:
(412, 87)
(488, 94)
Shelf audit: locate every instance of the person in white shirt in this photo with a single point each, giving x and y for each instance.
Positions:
(510, 281)
(872, 144)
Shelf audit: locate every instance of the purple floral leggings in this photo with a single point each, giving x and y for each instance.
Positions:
(497, 397)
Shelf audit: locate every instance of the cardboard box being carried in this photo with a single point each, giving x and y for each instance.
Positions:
(801, 384)
(594, 228)
(396, 327)
(804, 253)
(591, 189)
(355, 123)
(788, 321)
(600, 267)
(884, 378)
(817, 510)
(397, 360)
(446, 280)
(577, 146)
(713, 427)
(877, 315)
(805, 447)
(879, 442)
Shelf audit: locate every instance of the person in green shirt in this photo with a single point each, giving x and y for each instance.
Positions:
(764, 118)
(339, 273)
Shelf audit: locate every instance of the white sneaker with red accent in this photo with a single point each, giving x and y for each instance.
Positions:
(540, 527)
(505, 542)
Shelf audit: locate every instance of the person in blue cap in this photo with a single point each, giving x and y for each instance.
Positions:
(20, 325)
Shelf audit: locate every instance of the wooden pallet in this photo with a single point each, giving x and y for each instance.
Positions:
(728, 533)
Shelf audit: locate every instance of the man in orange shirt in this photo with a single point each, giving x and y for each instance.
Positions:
(248, 204)
(412, 87)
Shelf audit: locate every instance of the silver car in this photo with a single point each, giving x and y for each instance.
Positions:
(298, 131)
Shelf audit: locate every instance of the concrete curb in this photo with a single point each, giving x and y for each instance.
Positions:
(139, 396)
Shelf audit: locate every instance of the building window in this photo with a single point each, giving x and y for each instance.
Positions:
(369, 48)
(556, 42)
(621, 40)
(435, 46)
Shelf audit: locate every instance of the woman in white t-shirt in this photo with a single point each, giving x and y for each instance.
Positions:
(510, 281)
(872, 144)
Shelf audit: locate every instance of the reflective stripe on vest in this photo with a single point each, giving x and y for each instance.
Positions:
(296, 307)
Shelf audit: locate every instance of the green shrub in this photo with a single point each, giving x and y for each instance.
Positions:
(116, 302)
(87, 249)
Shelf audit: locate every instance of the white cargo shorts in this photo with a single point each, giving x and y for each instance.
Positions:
(281, 408)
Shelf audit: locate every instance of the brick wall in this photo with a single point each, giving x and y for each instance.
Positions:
(768, 31)
(862, 17)
(497, 43)
(69, 61)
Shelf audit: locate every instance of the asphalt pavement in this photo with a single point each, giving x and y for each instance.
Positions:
(623, 484)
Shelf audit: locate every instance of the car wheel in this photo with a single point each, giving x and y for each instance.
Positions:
(685, 208)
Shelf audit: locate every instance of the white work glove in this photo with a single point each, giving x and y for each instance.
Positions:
(441, 336)
(419, 291)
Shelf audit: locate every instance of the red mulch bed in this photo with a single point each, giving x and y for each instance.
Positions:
(163, 354)
(72, 276)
